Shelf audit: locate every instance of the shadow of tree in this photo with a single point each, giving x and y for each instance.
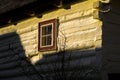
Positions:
(13, 62)
(69, 65)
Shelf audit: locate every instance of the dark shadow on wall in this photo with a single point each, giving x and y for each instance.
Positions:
(13, 62)
(66, 65)
(71, 65)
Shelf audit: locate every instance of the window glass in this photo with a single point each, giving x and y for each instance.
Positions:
(47, 35)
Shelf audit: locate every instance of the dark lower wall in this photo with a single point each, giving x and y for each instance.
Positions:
(71, 65)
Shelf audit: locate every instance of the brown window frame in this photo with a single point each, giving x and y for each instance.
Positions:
(53, 23)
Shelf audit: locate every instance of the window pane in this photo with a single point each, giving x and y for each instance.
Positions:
(44, 30)
(46, 40)
(49, 40)
(43, 41)
(49, 29)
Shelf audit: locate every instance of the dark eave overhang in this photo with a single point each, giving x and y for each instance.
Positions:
(36, 8)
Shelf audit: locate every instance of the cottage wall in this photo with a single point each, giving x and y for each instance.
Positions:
(77, 29)
(78, 32)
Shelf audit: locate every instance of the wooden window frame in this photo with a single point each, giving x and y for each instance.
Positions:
(53, 22)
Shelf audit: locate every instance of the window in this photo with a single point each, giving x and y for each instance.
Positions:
(47, 35)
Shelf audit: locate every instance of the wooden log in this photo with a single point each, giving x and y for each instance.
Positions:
(11, 72)
(21, 77)
(11, 59)
(10, 65)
